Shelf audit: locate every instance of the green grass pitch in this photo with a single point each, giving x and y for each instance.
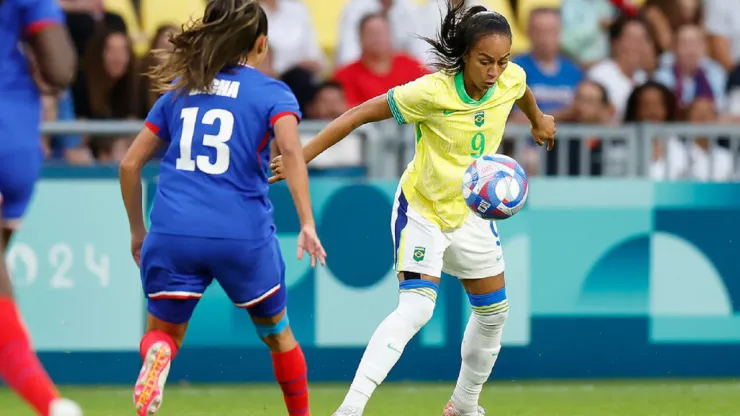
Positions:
(622, 398)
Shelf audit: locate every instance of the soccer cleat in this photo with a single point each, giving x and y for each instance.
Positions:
(64, 407)
(152, 378)
(451, 411)
(348, 411)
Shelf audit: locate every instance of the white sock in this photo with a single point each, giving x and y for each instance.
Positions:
(480, 347)
(386, 346)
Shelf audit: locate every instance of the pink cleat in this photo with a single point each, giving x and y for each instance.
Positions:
(152, 378)
(451, 411)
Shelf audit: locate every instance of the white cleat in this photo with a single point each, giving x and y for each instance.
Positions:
(451, 411)
(64, 407)
(348, 411)
(152, 378)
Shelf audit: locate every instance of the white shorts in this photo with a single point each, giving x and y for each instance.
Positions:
(472, 251)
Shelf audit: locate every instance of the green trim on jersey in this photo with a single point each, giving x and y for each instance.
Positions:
(394, 108)
(460, 87)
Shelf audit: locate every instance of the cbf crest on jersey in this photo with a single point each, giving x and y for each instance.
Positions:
(480, 118)
(419, 253)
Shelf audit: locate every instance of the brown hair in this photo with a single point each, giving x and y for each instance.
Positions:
(228, 30)
(109, 97)
(153, 57)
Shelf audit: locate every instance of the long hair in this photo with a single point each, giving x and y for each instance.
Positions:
(109, 97)
(222, 38)
(147, 97)
(633, 102)
(461, 28)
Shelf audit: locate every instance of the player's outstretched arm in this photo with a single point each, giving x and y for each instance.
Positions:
(145, 146)
(370, 111)
(289, 146)
(376, 109)
(54, 55)
(543, 125)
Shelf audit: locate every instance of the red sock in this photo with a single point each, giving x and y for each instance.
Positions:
(290, 372)
(153, 337)
(19, 366)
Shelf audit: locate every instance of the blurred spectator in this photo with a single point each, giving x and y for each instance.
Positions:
(402, 18)
(429, 16)
(585, 25)
(108, 87)
(380, 68)
(293, 39)
(63, 147)
(108, 150)
(732, 90)
(653, 102)
(666, 16)
(707, 163)
(722, 20)
(591, 105)
(690, 73)
(160, 42)
(328, 102)
(303, 84)
(85, 17)
(552, 77)
(620, 74)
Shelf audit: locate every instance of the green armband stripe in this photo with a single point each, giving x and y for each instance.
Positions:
(394, 108)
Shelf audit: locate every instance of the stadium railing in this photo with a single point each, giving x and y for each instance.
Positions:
(383, 150)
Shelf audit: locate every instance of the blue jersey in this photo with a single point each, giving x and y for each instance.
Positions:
(20, 103)
(213, 177)
(553, 90)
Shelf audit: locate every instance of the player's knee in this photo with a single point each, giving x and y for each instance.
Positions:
(490, 310)
(277, 335)
(417, 301)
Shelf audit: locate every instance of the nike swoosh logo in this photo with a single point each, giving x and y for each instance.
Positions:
(498, 258)
(391, 347)
(448, 112)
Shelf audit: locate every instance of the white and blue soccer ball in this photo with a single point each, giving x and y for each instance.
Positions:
(495, 187)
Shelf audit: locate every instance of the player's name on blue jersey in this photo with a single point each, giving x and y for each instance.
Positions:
(222, 88)
(213, 177)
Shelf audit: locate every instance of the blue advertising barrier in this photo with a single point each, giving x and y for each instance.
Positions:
(606, 278)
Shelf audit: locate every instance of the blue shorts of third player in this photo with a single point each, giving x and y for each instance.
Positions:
(19, 172)
(176, 270)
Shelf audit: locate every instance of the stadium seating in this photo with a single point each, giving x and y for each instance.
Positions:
(326, 16)
(156, 13)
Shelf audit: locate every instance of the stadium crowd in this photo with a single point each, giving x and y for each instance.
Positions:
(599, 62)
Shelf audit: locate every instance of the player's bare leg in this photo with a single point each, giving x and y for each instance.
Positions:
(19, 366)
(418, 296)
(158, 348)
(288, 361)
(481, 343)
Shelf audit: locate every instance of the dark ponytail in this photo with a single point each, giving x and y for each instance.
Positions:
(461, 28)
(227, 32)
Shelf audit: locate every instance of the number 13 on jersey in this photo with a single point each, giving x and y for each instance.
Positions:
(217, 141)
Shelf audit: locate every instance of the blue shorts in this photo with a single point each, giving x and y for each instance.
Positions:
(176, 271)
(19, 172)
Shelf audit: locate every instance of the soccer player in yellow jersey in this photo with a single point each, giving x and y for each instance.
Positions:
(459, 114)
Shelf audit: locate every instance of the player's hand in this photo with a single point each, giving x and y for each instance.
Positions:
(278, 174)
(309, 242)
(543, 131)
(137, 240)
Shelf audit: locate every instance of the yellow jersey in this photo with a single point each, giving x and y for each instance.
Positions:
(452, 130)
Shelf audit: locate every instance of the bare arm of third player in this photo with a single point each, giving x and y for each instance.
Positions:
(377, 109)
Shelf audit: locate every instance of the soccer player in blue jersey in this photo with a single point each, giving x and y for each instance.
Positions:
(211, 216)
(27, 28)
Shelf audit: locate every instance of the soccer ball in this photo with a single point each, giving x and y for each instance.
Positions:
(495, 187)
